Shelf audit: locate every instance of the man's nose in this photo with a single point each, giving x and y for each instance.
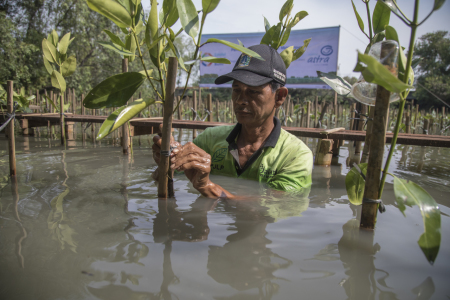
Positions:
(241, 99)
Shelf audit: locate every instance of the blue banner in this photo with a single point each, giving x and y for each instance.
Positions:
(321, 55)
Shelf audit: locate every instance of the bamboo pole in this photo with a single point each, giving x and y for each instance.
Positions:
(376, 153)
(61, 114)
(210, 117)
(316, 104)
(218, 110)
(10, 129)
(125, 133)
(164, 164)
(308, 112)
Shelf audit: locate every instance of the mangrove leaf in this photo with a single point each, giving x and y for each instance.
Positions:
(48, 66)
(114, 38)
(116, 48)
(114, 91)
(64, 44)
(355, 182)
(49, 51)
(69, 66)
(188, 17)
(58, 81)
(409, 193)
(112, 10)
(209, 5)
(287, 55)
(358, 18)
(236, 47)
(297, 18)
(286, 9)
(381, 16)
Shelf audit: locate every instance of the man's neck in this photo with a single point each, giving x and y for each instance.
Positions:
(256, 135)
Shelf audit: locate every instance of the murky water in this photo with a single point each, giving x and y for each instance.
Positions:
(85, 223)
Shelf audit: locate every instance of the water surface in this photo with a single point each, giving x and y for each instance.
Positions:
(85, 223)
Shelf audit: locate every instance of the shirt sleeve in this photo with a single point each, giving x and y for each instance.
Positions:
(295, 173)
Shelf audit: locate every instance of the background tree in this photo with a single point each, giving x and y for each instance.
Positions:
(433, 68)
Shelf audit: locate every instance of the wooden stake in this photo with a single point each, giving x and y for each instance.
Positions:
(308, 113)
(164, 163)
(376, 153)
(10, 130)
(61, 114)
(210, 117)
(365, 154)
(125, 133)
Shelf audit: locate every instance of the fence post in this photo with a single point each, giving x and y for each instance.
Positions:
(210, 117)
(10, 130)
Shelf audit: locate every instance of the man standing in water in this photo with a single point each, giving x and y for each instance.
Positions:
(256, 147)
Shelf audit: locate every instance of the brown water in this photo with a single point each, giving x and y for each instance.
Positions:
(85, 223)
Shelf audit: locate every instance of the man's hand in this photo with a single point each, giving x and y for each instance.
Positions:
(195, 163)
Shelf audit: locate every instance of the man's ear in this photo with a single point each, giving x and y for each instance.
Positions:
(280, 96)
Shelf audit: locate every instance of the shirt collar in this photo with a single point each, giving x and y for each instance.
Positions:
(271, 140)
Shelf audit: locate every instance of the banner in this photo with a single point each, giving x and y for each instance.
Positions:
(321, 55)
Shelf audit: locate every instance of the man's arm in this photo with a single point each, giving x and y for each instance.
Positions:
(196, 164)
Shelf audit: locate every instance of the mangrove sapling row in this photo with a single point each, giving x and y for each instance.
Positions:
(357, 180)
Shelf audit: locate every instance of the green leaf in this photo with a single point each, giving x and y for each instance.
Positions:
(58, 81)
(236, 47)
(276, 36)
(285, 38)
(122, 115)
(266, 24)
(151, 30)
(114, 91)
(378, 37)
(409, 193)
(286, 9)
(209, 5)
(358, 18)
(381, 16)
(64, 44)
(267, 38)
(53, 38)
(51, 102)
(119, 49)
(217, 60)
(297, 18)
(170, 12)
(354, 184)
(287, 55)
(438, 4)
(376, 73)
(114, 38)
(175, 52)
(48, 66)
(112, 10)
(339, 84)
(49, 51)
(299, 52)
(130, 45)
(69, 66)
(188, 17)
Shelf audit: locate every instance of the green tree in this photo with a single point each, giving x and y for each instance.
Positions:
(433, 68)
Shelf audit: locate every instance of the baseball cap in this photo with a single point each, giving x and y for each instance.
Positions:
(255, 72)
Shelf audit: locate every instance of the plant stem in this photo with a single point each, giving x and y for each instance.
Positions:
(414, 25)
(370, 23)
(143, 64)
(197, 47)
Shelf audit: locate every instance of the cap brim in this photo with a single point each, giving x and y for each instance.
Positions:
(246, 77)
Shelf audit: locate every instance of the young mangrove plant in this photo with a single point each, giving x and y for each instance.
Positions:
(59, 65)
(375, 72)
(158, 40)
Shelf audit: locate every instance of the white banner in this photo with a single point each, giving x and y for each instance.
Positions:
(321, 55)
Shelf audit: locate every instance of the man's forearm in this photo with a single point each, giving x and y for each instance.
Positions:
(214, 191)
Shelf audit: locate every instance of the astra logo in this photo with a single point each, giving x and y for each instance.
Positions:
(326, 50)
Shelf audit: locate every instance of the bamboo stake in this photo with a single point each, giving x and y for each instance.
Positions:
(316, 104)
(163, 184)
(210, 117)
(376, 153)
(10, 130)
(125, 133)
(61, 113)
(308, 112)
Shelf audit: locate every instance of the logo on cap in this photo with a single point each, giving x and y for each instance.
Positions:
(279, 75)
(244, 60)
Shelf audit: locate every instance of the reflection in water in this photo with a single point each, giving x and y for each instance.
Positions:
(425, 290)
(357, 253)
(245, 262)
(57, 221)
(22, 231)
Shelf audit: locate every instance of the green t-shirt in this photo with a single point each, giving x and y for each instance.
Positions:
(284, 162)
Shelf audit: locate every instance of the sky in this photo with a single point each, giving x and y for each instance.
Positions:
(238, 16)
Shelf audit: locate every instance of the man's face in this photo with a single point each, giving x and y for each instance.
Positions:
(253, 105)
